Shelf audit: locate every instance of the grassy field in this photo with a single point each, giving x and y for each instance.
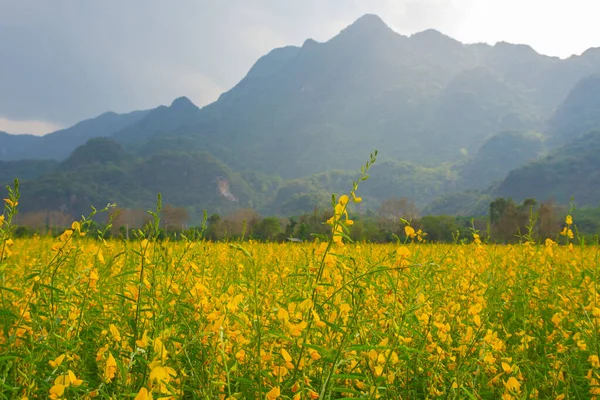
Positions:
(83, 318)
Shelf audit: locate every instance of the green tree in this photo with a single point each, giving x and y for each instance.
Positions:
(268, 229)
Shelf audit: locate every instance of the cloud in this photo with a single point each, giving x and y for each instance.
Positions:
(32, 127)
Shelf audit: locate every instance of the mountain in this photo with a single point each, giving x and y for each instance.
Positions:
(578, 114)
(424, 99)
(58, 145)
(516, 164)
(445, 116)
(25, 169)
(388, 179)
(499, 155)
(99, 151)
(159, 121)
(465, 204)
(572, 170)
(101, 172)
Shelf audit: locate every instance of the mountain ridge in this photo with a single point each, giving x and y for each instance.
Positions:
(428, 102)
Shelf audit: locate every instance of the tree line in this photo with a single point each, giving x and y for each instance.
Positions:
(506, 222)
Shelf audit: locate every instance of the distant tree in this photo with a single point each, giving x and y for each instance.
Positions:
(392, 209)
(243, 218)
(497, 209)
(291, 227)
(214, 229)
(126, 219)
(173, 218)
(268, 229)
(302, 231)
(35, 220)
(57, 220)
(509, 221)
(441, 228)
(548, 225)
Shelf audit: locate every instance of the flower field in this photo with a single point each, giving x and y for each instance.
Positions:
(83, 318)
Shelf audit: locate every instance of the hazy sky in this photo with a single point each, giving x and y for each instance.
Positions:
(62, 61)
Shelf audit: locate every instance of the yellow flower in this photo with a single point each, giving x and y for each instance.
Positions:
(337, 234)
(409, 230)
(68, 379)
(57, 361)
(402, 252)
(143, 342)
(567, 232)
(512, 384)
(115, 333)
(273, 394)
(318, 322)
(343, 200)
(143, 394)
(66, 235)
(11, 203)
(314, 354)
(110, 368)
(569, 220)
(507, 368)
(489, 358)
(280, 371)
(57, 391)
(286, 356)
(240, 355)
(162, 374)
(100, 257)
(356, 199)
(73, 378)
(1, 219)
(296, 329)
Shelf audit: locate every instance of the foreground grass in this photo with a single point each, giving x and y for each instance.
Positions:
(82, 319)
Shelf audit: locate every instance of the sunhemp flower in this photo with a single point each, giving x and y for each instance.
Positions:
(340, 217)
(356, 199)
(567, 232)
(56, 391)
(274, 393)
(512, 384)
(143, 394)
(57, 361)
(11, 203)
(110, 369)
